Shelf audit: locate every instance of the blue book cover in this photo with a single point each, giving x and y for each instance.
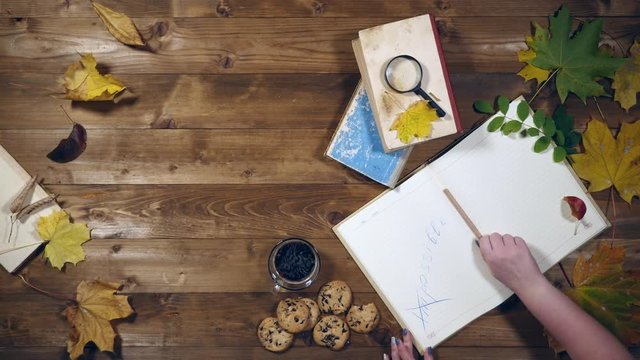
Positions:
(357, 144)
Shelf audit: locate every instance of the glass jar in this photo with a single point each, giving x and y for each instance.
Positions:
(293, 264)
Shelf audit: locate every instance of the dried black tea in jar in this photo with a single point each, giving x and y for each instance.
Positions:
(294, 264)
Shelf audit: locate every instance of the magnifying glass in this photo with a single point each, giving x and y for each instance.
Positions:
(404, 74)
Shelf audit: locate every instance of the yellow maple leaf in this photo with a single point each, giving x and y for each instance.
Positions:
(83, 82)
(626, 81)
(529, 71)
(63, 239)
(608, 162)
(97, 304)
(119, 25)
(415, 121)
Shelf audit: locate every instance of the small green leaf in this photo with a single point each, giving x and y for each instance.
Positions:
(503, 104)
(523, 133)
(483, 106)
(538, 119)
(511, 127)
(523, 110)
(549, 127)
(572, 139)
(541, 144)
(559, 154)
(559, 138)
(533, 132)
(495, 124)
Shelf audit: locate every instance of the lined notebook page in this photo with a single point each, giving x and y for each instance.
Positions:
(419, 254)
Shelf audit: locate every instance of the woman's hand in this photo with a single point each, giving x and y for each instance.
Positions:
(510, 261)
(403, 349)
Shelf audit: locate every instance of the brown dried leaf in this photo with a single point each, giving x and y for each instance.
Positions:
(90, 318)
(18, 202)
(119, 25)
(70, 148)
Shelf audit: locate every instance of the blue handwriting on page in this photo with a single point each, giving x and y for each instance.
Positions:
(425, 299)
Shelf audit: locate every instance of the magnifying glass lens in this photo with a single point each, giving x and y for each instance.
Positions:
(403, 74)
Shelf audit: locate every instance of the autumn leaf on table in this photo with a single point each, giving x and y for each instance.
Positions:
(608, 162)
(415, 121)
(575, 57)
(90, 317)
(63, 238)
(71, 147)
(119, 25)
(529, 71)
(83, 82)
(626, 80)
(604, 290)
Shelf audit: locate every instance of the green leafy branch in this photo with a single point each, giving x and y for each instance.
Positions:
(558, 128)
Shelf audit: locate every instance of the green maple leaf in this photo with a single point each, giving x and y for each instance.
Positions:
(608, 293)
(575, 57)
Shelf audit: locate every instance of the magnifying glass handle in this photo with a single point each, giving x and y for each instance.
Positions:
(430, 101)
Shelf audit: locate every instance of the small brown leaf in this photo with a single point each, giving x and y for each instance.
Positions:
(30, 209)
(18, 202)
(70, 148)
(578, 207)
(119, 25)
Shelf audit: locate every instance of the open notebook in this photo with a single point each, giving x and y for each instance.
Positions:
(24, 239)
(420, 256)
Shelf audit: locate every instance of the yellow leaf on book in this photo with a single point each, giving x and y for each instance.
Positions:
(626, 81)
(83, 82)
(90, 317)
(606, 162)
(64, 239)
(119, 25)
(415, 122)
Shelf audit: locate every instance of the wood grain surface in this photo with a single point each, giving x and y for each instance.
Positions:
(218, 154)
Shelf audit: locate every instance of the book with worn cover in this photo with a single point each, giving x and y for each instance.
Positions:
(19, 238)
(418, 253)
(417, 37)
(356, 143)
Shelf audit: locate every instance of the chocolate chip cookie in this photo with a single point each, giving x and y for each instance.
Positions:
(331, 332)
(335, 297)
(272, 336)
(293, 315)
(363, 318)
(314, 312)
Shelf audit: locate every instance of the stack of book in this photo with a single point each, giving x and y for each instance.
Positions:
(365, 139)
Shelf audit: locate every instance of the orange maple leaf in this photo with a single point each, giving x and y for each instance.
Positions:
(611, 295)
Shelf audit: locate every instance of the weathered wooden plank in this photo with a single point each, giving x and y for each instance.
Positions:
(197, 156)
(299, 101)
(206, 46)
(239, 265)
(298, 352)
(312, 8)
(236, 211)
(185, 265)
(193, 156)
(229, 320)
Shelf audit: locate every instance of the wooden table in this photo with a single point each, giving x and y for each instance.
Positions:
(188, 187)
